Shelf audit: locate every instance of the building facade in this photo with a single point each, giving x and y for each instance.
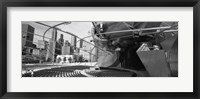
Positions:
(59, 45)
(42, 44)
(66, 48)
(27, 39)
(73, 44)
(27, 35)
(51, 48)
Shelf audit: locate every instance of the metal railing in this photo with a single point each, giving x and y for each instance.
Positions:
(48, 51)
(163, 29)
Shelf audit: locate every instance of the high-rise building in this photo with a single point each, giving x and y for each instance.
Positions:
(73, 40)
(51, 50)
(27, 38)
(73, 43)
(52, 45)
(27, 35)
(81, 43)
(61, 40)
(54, 34)
(59, 45)
(66, 48)
(43, 48)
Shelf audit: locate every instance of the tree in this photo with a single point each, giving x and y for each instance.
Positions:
(58, 60)
(70, 59)
(65, 59)
(80, 58)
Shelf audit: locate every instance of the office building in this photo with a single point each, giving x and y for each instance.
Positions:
(52, 45)
(73, 44)
(27, 35)
(59, 45)
(27, 38)
(66, 48)
(61, 40)
(81, 43)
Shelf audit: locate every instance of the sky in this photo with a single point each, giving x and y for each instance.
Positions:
(81, 29)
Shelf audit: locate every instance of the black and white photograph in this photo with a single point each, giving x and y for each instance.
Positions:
(99, 49)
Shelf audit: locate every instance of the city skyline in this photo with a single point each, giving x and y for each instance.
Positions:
(74, 28)
(54, 43)
(123, 45)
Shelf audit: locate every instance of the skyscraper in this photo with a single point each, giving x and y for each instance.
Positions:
(27, 38)
(59, 45)
(54, 34)
(52, 44)
(66, 48)
(73, 43)
(81, 43)
(61, 40)
(27, 35)
(43, 48)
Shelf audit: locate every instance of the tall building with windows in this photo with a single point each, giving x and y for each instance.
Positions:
(27, 35)
(42, 47)
(73, 43)
(27, 38)
(58, 48)
(59, 45)
(81, 43)
(52, 45)
(66, 48)
(61, 40)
